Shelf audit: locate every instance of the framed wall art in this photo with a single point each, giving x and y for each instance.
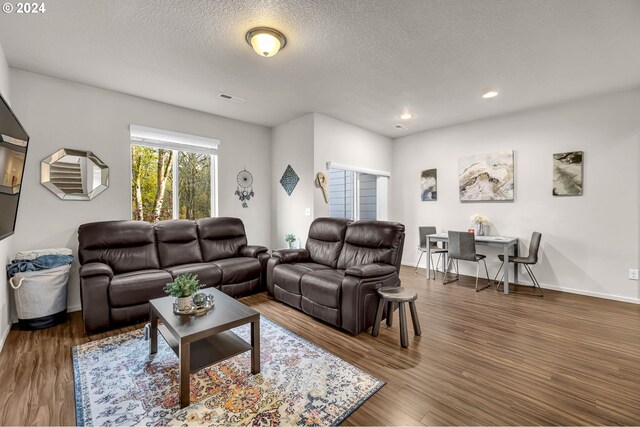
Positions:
(488, 176)
(567, 173)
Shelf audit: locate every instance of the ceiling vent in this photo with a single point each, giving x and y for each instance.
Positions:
(231, 98)
(399, 126)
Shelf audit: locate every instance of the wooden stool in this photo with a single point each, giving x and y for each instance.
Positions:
(392, 295)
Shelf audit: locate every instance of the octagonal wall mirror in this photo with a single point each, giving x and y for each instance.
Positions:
(74, 174)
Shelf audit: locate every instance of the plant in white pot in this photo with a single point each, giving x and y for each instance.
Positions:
(290, 239)
(182, 289)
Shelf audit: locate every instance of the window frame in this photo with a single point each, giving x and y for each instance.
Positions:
(355, 192)
(158, 139)
(382, 188)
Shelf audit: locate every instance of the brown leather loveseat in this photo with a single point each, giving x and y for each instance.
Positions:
(124, 264)
(336, 276)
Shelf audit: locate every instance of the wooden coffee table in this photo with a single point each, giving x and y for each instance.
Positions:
(202, 341)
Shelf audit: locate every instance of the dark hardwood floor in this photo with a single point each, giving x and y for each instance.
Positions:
(483, 359)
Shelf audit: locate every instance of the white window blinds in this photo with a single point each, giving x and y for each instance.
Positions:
(169, 140)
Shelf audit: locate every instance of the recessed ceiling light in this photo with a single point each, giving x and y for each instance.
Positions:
(266, 41)
(399, 126)
(405, 116)
(490, 94)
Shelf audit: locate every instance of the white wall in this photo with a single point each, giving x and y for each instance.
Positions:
(589, 242)
(59, 114)
(292, 144)
(340, 142)
(308, 143)
(6, 244)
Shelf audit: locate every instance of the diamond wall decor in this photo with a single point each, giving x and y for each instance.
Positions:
(289, 180)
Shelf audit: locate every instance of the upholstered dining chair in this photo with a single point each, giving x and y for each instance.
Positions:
(527, 262)
(462, 247)
(432, 249)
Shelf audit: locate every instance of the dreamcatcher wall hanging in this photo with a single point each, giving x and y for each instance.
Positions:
(244, 191)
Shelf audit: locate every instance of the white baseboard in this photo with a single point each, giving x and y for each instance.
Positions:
(575, 291)
(4, 337)
(74, 308)
(592, 294)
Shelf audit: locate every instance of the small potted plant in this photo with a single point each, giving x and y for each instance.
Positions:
(182, 289)
(481, 224)
(290, 239)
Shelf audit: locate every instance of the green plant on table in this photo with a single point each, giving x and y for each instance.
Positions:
(290, 238)
(183, 286)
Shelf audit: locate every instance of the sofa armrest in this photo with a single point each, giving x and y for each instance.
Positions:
(292, 255)
(95, 269)
(95, 278)
(252, 251)
(359, 300)
(370, 270)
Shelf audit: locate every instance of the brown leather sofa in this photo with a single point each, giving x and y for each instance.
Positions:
(124, 264)
(336, 276)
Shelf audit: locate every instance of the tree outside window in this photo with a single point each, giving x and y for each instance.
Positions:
(169, 184)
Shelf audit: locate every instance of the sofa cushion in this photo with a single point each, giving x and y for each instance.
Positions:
(123, 245)
(208, 274)
(238, 270)
(287, 277)
(131, 313)
(325, 240)
(241, 289)
(137, 287)
(294, 300)
(312, 266)
(319, 311)
(369, 242)
(323, 287)
(177, 242)
(220, 238)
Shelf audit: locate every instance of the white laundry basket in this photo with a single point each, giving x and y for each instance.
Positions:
(41, 297)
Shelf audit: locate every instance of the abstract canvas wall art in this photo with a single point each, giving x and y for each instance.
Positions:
(429, 185)
(486, 176)
(567, 173)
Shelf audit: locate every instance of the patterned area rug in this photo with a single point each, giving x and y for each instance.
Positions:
(118, 383)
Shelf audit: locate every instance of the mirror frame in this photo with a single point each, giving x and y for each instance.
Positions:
(19, 146)
(12, 133)
(45, 174)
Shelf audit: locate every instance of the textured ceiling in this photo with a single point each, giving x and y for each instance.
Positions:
(360, 61)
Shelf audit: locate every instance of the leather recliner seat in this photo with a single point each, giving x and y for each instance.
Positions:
(336, 276)
(124, 264)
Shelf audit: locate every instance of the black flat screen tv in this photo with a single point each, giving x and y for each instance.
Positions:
(14, 142)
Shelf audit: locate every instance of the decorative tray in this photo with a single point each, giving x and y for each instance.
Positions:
(208, 303)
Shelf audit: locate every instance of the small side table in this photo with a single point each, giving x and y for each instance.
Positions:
(400, 296)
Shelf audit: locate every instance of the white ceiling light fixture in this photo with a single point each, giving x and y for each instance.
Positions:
(489, 93)
(266, 41)
(405, 116)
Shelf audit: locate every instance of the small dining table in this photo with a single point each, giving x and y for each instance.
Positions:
(505, 243)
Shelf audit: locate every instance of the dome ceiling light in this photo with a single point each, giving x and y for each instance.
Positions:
(266, 41)
(490, 93)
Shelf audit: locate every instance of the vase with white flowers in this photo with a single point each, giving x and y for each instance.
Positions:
(481, 224)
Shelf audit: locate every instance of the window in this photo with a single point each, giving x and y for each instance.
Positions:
(172, 175)
(341, 193)
(367, 196)
(352, 195)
